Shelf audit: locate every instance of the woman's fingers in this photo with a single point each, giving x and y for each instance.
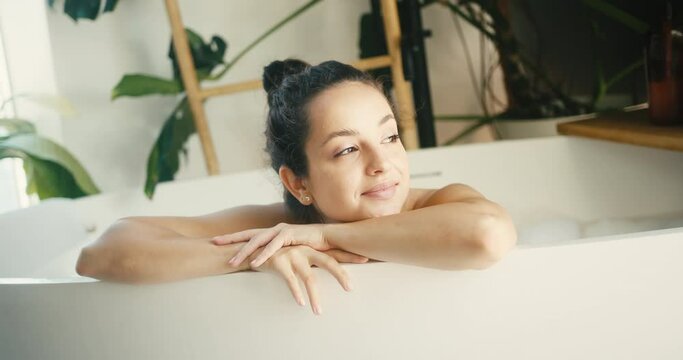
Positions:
(327, 262)
(346, 257)
(257, 241)
(276, 244)
(235, 237)
(293, 284)
(303, 269)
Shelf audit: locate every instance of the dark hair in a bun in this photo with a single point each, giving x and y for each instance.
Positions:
(291, 85)
(275, 72)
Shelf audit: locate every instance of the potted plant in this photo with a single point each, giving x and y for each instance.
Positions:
(535, 101)
(51, 170)
(164, 158)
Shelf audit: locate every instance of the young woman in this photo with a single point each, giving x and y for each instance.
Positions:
(333, 139)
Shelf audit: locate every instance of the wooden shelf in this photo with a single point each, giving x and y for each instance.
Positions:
(632, 127)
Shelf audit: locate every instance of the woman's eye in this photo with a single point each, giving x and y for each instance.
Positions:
(392, 138)
(348, 150)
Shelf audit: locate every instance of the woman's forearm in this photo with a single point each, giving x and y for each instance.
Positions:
(135, 252)
(460, 235)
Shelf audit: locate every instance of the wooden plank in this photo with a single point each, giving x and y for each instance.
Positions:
(232, 88)
(191, 84)
(632, 127)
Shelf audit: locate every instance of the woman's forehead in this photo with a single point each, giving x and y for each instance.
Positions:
(348, 104)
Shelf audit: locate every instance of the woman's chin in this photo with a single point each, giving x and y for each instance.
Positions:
(384, 211)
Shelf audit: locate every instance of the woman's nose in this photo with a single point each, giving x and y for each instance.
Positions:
(377, 162)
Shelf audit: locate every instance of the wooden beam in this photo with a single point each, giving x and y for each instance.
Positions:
(373, 63)
(191, 84)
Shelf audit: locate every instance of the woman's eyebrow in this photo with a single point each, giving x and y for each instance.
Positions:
(386, 118)
(351, 132)
(342, 132)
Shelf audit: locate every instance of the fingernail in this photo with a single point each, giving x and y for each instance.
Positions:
(349, 287)
(253, 262)
(301, 302)
(233, 260)
(318, 311)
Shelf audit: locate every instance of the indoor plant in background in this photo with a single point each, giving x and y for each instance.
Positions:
(51, 170)
(533, 98)
(164, 158)
(532, 94)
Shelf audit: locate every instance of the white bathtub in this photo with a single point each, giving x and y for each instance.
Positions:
(597, 273)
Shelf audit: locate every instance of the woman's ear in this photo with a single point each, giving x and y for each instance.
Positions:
(295, 185)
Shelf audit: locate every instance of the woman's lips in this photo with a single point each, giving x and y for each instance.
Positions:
(382, 191)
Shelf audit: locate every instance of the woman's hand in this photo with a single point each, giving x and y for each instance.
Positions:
(276, 237)
(295, 262)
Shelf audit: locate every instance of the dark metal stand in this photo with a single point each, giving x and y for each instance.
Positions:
(414, 59)
(415, 68)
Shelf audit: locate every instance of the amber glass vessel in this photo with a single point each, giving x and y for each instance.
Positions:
(664, 60)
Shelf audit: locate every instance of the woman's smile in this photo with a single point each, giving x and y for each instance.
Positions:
(382, 191)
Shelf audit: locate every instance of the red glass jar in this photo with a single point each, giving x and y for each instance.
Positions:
(664, 61)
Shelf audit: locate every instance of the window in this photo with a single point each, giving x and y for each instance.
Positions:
(12, 177)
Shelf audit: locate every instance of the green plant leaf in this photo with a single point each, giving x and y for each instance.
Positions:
(164, 160)
(16, 127)
(85, 9)
(110, 5)
(49, 179)
(82, 9)
(43, 149)
(142, 85)
(206, 56)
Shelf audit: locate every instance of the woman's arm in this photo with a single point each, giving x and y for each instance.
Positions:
(453, 228)
(155, 249)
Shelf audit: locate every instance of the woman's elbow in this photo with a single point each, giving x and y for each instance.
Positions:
(495, 237)
(106, 264)
(88, 262)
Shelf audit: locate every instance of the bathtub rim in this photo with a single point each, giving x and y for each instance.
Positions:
(577, 242)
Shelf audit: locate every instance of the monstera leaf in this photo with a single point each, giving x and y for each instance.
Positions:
(206, 56)
(85, 9)
(164, 160)
(51, 170)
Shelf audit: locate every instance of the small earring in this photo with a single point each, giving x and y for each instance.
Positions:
(306, 199)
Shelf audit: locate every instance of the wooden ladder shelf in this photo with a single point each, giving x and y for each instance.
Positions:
(196, 94)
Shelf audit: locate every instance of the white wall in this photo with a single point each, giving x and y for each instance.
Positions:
(113, 139)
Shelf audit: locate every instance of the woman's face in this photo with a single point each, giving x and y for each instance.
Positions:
(357, 166)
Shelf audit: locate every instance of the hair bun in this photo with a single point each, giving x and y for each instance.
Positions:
(277, 71)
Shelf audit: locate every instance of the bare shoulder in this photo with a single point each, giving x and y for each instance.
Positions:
(222, 222)
(419, 198)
